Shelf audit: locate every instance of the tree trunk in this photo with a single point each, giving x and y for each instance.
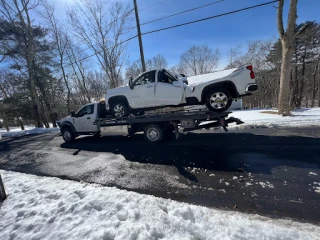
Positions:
(295, 81)
(5, 123)
(314, 88)
(66, 83)
(301, 87)
(30, 53)
(45, 120)
(53, 119)
(318, 86)
(286, 67)
(20, 124)
(287, 40)
(307, 100)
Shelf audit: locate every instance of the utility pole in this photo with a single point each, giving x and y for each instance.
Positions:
(139, 36)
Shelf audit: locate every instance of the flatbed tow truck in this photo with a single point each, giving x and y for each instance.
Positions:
(92, 119)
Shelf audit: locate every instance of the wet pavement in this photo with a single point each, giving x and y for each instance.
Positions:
(269, 171)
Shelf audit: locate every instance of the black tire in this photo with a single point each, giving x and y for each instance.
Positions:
(68, 135)
(119, 109)
(153, 133)
(223, 100)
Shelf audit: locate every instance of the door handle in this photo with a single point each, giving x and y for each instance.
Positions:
(88, 117)
(149, 86)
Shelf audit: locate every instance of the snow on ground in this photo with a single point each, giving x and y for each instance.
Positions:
(256, 118)
(29, 130)
(51, 208)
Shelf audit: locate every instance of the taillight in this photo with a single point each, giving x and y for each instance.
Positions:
(251, 71)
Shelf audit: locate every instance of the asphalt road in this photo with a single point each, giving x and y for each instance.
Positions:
(273, 172)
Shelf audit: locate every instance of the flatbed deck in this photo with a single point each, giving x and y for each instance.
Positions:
(199, 115)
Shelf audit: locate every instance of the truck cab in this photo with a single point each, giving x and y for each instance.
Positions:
(83, 121)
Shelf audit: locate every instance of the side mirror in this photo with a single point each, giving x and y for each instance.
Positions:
(130, 82)
(72, 114)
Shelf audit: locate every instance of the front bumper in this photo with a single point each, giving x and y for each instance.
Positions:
(251, 88)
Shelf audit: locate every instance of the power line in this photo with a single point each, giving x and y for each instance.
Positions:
(150, 6)
(127, 40)
(126, 13)
(208, 18)
(176, 14)
(183, 24)
(91, 47)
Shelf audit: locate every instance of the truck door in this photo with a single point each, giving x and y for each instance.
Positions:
(142, 93)
(168, 91)
(85, 117)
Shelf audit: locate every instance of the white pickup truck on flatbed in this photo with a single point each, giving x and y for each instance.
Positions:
(93, 119)
(159, 88)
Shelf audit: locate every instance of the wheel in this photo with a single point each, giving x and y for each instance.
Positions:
(218, 100)
(153, 133)
(119, 109)
(67, 135)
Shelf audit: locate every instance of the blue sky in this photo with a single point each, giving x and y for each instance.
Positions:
(223, 32)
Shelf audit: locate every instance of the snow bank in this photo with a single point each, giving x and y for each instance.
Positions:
(51, 208)
(29, 130)
(256, 118)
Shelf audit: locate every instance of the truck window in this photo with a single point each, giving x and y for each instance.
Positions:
(145, 78)
(86, 110)
(166, 77)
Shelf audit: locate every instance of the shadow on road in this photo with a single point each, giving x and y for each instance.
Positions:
(9, 144)
(231, 152)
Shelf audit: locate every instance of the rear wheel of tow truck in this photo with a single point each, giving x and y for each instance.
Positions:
(67, 134)
(119, 109)
(153, 133)
(218, 100)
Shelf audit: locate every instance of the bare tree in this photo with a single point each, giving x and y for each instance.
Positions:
(156, 62)
(233, 56)
(135, 68)
(287, 41)
(61, 41)
(97, 84)
(17, 11)
(100, 28)
(2, 105)
(78, 64)
(199, 60)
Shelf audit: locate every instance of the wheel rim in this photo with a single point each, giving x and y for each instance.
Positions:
(153, 134)
(67, 136)
(218, 100)
(118, 110)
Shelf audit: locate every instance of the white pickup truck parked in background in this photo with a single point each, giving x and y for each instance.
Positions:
(159, 88)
